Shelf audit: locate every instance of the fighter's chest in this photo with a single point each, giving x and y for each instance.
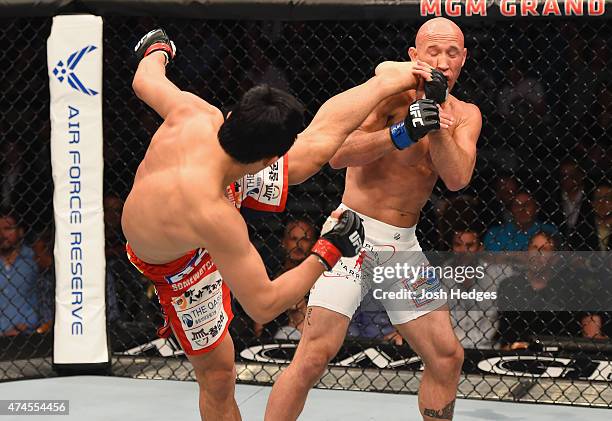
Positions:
(409, 165)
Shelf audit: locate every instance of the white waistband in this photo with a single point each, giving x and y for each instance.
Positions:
(380, 230)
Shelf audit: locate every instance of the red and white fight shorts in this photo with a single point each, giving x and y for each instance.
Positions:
(194, 299)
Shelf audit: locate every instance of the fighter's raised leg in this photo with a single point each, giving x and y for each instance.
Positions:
(343, 113)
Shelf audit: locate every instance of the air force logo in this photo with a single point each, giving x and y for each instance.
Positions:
(66, 71)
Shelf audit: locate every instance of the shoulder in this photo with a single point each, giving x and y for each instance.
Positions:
(195, 108)
(470, 112)
(198, 121)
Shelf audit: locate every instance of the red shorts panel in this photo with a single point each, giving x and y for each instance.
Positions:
(195, 301)
(268, 189)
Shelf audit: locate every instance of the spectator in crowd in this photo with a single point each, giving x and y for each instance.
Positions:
(298, 238)
(595, 144)
(588, 64)
(43, 255)
(506, 188)
(457, 212)
(11, 173)
(571, 211)
(18, 277)
(515, 235)
(530, 302)
(475, 322)
(592, 325)
(522, 97)
(602, 207)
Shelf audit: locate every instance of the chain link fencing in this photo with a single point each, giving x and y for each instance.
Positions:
(546, 98)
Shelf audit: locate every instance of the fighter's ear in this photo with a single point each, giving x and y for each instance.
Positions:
(412, 53)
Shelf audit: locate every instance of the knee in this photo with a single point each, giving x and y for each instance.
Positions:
(457, 357)
(313, 363)
(219, 383)
(447, 360)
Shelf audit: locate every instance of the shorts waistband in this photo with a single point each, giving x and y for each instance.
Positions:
(376, 228)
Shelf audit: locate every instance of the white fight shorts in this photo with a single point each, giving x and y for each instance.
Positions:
(343, 288)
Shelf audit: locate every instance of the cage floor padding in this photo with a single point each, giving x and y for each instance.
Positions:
(114, 398)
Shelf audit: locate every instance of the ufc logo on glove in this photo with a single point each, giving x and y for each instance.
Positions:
(415, 112)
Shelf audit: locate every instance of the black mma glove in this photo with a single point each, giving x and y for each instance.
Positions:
(437, 88)
(344, 239)
(423, 116)
(156, 40)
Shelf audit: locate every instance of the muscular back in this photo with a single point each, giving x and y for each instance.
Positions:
(395, 187)
(171, 185)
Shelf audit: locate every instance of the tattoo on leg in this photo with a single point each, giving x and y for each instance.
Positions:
(308, 313)
(445, 413)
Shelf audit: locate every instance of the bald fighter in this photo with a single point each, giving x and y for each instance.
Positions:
(393, 161)
(180, 218)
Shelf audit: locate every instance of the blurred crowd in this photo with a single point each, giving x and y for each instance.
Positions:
(542, 181)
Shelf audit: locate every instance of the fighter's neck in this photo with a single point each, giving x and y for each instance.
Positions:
(225, 169)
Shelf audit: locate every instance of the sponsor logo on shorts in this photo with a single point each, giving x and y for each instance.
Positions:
(200, 337)
(251, 183)
(271, 192)
(187, 320)
(359, 260)
(369, 256)
(429, 282)
(203, 290)
(189, 267)
(208, 334)
(196, 274)
(273, 172)
(204, 312)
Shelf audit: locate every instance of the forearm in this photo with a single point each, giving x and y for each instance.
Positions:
(153, 87)
(361, 148)
(293, 285)
(150, 69)
(452, 163)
